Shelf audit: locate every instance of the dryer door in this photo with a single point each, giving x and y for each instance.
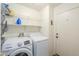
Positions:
(21, 52)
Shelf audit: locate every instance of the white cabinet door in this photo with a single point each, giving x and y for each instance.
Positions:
(67, 27)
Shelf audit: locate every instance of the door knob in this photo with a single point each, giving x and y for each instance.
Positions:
(56, 36)
(56, 33)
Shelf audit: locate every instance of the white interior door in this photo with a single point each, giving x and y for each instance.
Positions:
(67, 27)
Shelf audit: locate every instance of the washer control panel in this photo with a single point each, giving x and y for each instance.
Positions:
(26, 42)
(19, 44)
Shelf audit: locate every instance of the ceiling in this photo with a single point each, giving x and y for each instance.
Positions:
(39, 6)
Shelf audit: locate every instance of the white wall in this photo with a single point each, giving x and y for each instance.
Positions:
(45, 21)
(47, 28)
(28, 15)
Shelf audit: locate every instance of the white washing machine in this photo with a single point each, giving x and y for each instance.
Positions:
(40, 44)
(17, 46)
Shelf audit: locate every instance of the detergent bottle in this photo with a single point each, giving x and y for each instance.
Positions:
(18, 21)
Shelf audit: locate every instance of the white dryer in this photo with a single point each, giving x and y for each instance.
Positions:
(40, 44)
(17, 46)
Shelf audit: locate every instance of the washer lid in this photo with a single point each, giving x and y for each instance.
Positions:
(37, 36)
(21, 52)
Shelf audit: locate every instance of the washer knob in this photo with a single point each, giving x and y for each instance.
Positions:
(19, 44)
